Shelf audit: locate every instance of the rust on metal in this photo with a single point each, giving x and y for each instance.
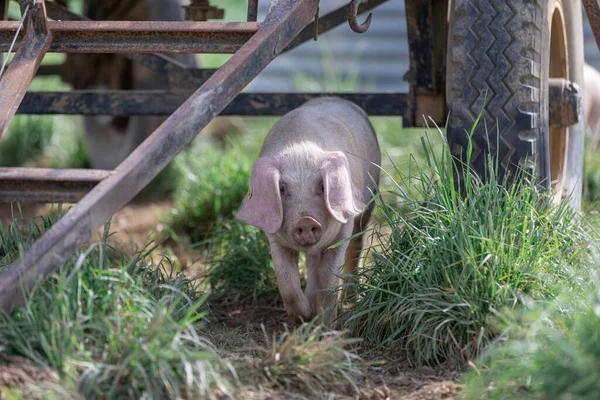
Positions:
(42, 185)
(252, 10)
(286, 18)
(145, 102)
(353, 17)
(593, 13)
(427, 31)
(329, 21)
(316, 23)
(3, 17)
(24, 65)
(141, 36)
(178, 74)
(201, 10)
(565, 105)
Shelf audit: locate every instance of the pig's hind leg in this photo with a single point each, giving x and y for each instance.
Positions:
(353, 254)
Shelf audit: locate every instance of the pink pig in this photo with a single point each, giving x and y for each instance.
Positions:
(308, 190)
(591, 79)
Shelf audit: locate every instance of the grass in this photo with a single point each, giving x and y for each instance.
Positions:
(311, 360)
(449, 263)
(549, 350)
(115, 326)
(211, 187)
(41, 140)
(240, 263)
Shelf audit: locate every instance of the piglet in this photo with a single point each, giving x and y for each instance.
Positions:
(308, 190)
(591, 79)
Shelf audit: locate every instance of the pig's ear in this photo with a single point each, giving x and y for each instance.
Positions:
(262, 206)
(342, 198)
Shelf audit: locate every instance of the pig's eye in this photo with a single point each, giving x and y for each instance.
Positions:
(282, 190)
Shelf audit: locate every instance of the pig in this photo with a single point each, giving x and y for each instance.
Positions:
(309, 190)
(591, 82)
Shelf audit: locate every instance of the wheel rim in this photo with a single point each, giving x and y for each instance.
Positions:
(559, 68)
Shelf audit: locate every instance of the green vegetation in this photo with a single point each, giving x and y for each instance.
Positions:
(448, 263)
(498, 281)
(116, 326)
(211, 186)
(549, 350)
(240, 263)
(311, 360)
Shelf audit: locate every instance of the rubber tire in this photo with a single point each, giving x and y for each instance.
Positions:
(502, 48)
(110, 140)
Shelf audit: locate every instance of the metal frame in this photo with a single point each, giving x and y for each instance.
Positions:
(284, 21)
(288, 24)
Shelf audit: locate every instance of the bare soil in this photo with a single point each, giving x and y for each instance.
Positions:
(235, 327)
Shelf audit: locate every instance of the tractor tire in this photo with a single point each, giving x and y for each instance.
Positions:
(110, 140)
(501, 55)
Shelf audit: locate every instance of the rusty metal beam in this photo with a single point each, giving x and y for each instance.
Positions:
(593, 13)
(329, 21)
(141, 36)
(41, 185)
(24, 65)
(3, 17)
(179, 75)
(252, 10)
(427, 29)
(284, 21)
(120, 103)
(564, 103)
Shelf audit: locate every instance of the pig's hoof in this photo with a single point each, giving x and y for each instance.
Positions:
(299, 310)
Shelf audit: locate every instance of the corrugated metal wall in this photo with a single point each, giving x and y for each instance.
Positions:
(377, 58)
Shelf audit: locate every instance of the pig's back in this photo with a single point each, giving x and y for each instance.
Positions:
(334, 124)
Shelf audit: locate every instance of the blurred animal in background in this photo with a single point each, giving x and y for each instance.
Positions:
(591, 78)
(309, 190)
(110, 139)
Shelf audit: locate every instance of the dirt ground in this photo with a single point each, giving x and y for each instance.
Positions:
(234, 327)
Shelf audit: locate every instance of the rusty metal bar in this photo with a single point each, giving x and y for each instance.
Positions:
(252, 10)
(24, 65)
(49, 69)
(141, 36)
(427, 28)
(131, 102)
(41, 185)
(330, 21)
(564, 104)
(3, 17)
(593, 13)
(179, 75)
(284, 21)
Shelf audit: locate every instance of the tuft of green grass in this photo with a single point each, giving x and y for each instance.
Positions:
(114, 326)
(15, 239)
(549, 351)
(311, 359)
(450, 262)
(240, 263)
(211, 186)
(591, 177)
(42, 140)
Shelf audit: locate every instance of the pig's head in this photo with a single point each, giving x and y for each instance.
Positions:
(302, 196)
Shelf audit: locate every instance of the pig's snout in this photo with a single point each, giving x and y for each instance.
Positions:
(307, 231)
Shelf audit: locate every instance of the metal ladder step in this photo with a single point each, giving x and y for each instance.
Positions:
(45, 185)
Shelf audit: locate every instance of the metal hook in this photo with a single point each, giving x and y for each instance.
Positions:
(353, 17)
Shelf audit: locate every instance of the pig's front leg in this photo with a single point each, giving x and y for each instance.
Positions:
(288, 279)
(323, 277)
